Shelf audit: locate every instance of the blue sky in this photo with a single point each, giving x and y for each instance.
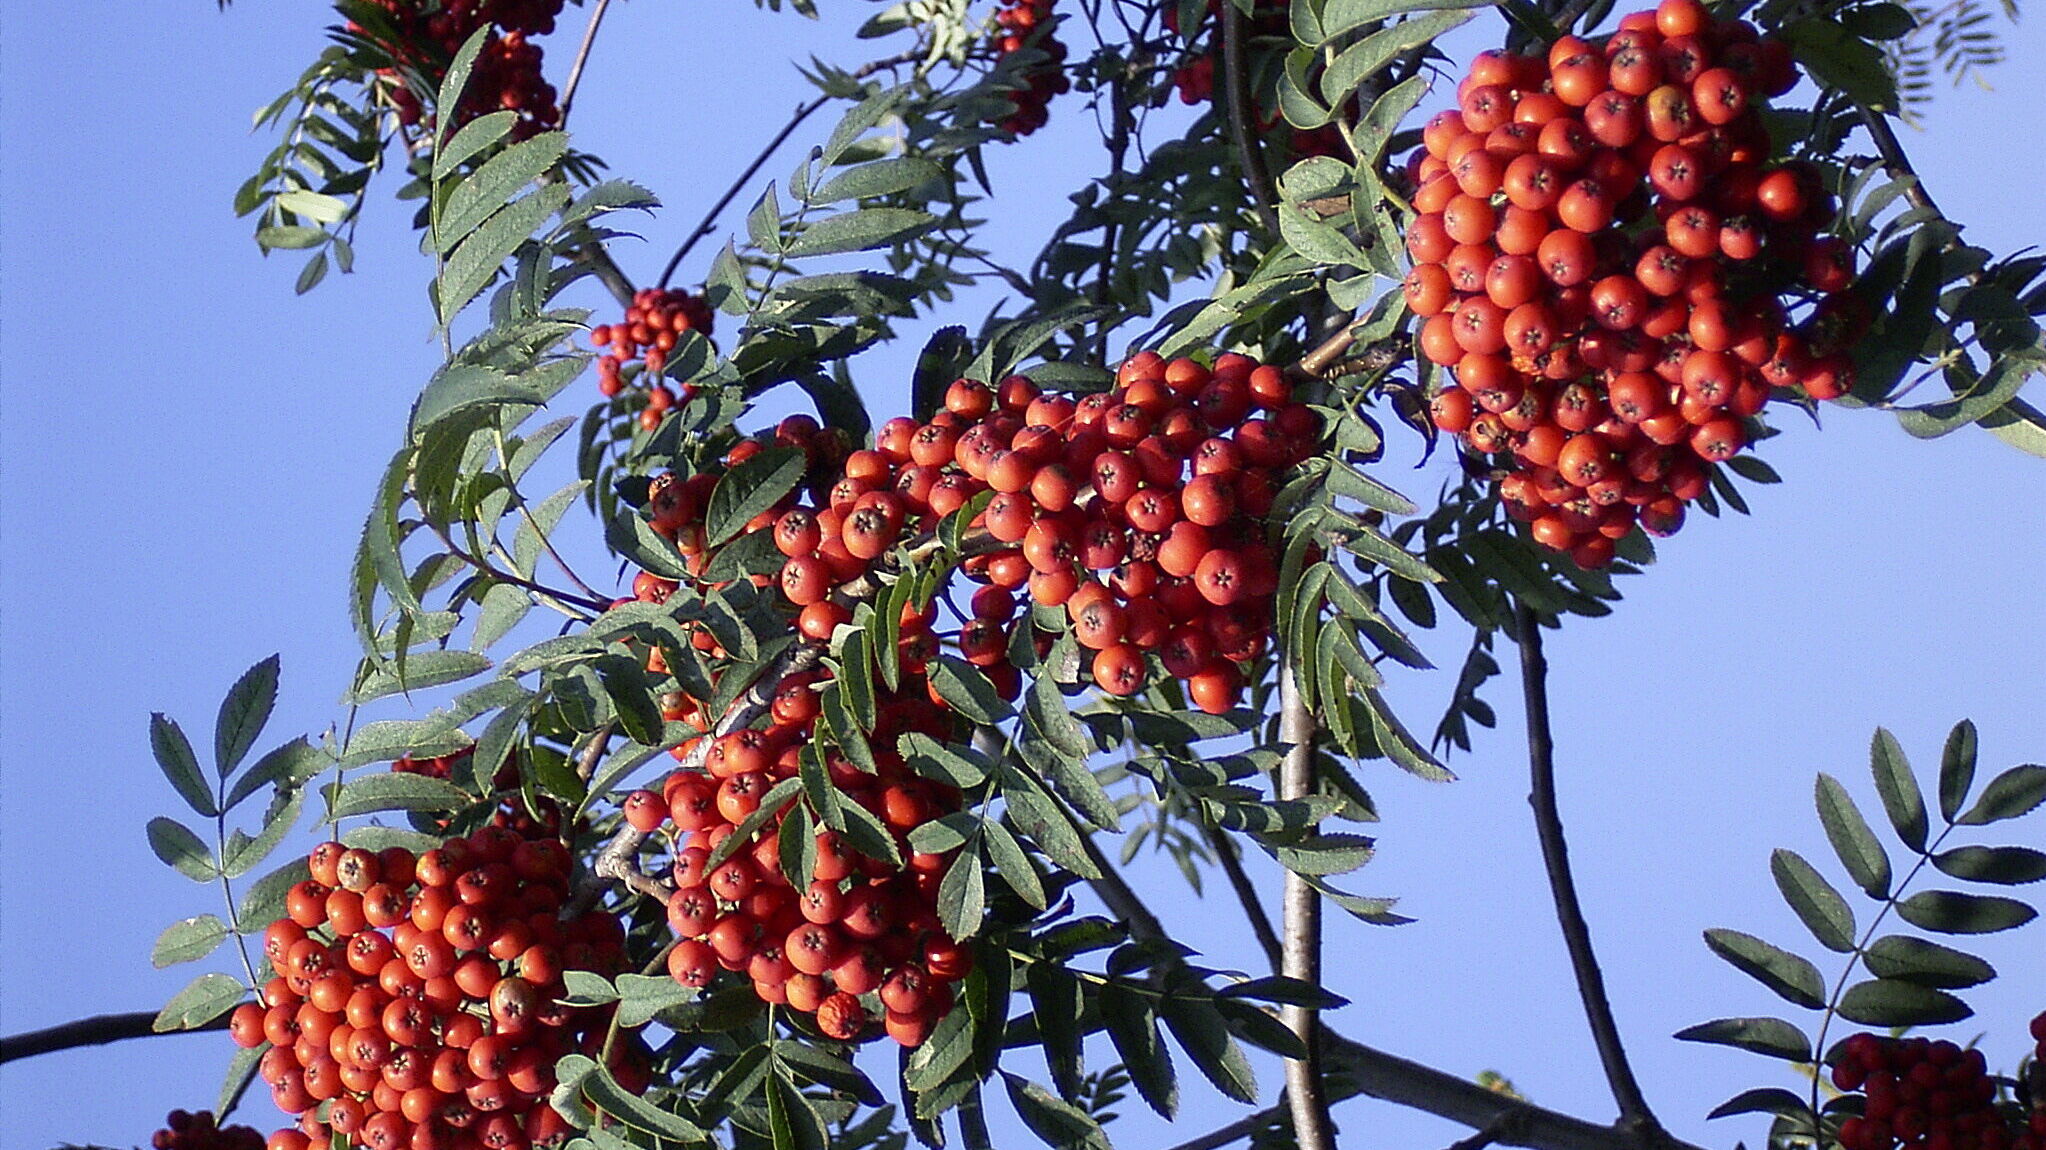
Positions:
(189, 449)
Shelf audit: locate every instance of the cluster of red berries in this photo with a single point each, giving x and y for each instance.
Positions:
(652, 325)
(858, 930)
(187, 1131)
(1606, 256)
(1016, 21)
(1195, 79)
(506, 73)
(1926, 1095)
(1139, 510)
(416, 1003)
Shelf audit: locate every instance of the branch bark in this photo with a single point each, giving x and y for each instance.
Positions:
(1598, 1010)
(1300, 910)
(95, 1031)
(582, 58)
(1236, 90)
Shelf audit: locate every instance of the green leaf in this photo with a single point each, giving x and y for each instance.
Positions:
(1133, 1028)
(1060, 1124)
(1790, 976)
(640, 997)
(961, 766)
(1901, 956)
(946, 1050)
(1817, 904)
(1319, 854)
(1894, 1002)
(859, 231)
(1075, 782)
(181, 849)
(2010, 866)
(1009, 858)
(241, 1070)
(462, 386)
(967, 691)
(749, 489)
(2013, 793)
(456, 79)
(1956, 769)
(264, 902)
(1286, 990)
(376, 837)
(1319, 242)
(825, 1069)
(1898, 787)
(243, 853)
(1201, 1031)
(793, 1124)
(396, 792)
(1342, 16)
(188, 940)
(243, 713)
(607, 1095)
(422, 670)
(1762, 1100)
(763, 223)
(1859, 850)
(472, 266)
(867, 836)
(174, 754)
(1055, 1004)
(204, 999)
(286, 766)
(587, 988)
(1838, 59)
(962, 896)
(492, 186)
(1357, 62)
(1953, 912)
(470, 140)
(877, 178)
(1771, 1036)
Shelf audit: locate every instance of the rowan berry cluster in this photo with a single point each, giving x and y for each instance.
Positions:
(1016, 21)
(652, 325)
(1927, 1095)
(506, 75)
(417, 1000)
(1195, 79)
(857, 930)
(1139, 510)
(1608, 259)
(184, 1130)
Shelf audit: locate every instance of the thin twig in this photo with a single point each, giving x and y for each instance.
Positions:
(803, 112)
(600, 741)
(1236, 89)
(94, 1031)
(1300, 910)
(582, 57)
(1246, 893)
(1598, 1010)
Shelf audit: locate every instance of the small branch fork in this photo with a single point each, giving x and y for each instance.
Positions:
(1634, 1112)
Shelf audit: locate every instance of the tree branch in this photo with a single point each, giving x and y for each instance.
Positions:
(95, 1031)
(803, 112)
(1598, 1011)
(1300, 907)
(1236, 89)
(582, 57)
(1246, 893)
(1356, 1069)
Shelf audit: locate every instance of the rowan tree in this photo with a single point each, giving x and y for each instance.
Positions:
(884, 704)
